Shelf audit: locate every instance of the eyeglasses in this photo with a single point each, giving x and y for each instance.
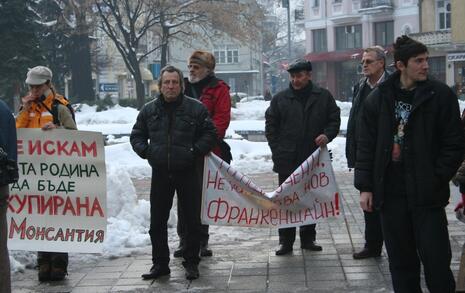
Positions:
(368, 61)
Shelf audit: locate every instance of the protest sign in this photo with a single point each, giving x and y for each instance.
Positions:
(59, 202)
(307, 196)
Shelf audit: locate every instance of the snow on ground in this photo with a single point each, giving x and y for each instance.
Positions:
(129, 217)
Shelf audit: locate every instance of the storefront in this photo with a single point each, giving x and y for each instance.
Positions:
(456, 73)
(337, 71)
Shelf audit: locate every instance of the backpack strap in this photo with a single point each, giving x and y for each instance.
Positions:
(54, 112)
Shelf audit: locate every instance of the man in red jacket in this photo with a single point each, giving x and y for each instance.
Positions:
(203, 85)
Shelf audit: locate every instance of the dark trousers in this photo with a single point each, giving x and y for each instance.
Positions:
(414, 235)
(203, 229)
(373, 231)
(54, 259)
(307, 233)
(164, 185)
(5, 282)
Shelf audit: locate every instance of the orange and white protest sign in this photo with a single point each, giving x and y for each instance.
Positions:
(59, 202)
(230, 198)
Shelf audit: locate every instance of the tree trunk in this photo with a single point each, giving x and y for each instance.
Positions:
(140, 90)
(82, 87)
(164, 42)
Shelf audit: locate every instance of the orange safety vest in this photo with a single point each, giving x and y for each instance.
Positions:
(38, 115)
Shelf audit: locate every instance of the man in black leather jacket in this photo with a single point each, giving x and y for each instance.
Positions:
(410, 144)
(173, 132)
(300, 119)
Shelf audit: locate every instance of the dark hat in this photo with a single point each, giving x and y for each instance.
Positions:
(300, 65)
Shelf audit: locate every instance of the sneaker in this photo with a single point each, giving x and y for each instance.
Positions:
(192, 271)
(157, 271)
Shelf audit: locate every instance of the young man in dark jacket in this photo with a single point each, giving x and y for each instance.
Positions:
(204, 86)
(173, 132)
(410, 144)
(8, 174)
(300, 119)
(374, 72)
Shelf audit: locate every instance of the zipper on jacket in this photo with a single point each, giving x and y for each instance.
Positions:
(170, 125)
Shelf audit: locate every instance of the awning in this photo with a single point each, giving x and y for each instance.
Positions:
(335, 55)
(146, 74)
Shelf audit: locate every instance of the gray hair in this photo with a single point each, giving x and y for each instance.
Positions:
(171, 68)
(379, 51)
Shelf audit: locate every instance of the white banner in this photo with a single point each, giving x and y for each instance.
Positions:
(59, 202)
(310, 194)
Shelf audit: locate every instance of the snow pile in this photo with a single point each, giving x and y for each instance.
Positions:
(128, 216)
(116, 115)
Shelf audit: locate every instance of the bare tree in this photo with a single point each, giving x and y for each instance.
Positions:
(126, 22)
(203, 19)
(80, 52)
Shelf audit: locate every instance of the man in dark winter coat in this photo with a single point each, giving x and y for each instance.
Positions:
(8, 174)
(410, 144)
(173, 132)
(373, 66)
(203, 85)
(299, 120)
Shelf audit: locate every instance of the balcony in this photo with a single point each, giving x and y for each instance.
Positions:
(375, 6)
(432, 39)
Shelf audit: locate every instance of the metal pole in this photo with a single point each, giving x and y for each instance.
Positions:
(289, 29)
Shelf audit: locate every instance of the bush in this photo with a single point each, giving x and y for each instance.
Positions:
(104, 104)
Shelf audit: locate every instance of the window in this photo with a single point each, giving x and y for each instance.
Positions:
(443, 14)
(437, 67)
(384, 33)
(319, 40)
(337, 1)
(226, 55)
(316, 3)
(349, 37)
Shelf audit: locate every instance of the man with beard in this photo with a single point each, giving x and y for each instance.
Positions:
(203, 85)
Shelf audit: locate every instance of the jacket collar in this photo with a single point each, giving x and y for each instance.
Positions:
(424, 90)
(214, 82)
(316, 90)
(315, 93)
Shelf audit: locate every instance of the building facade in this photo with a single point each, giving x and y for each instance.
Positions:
(338, 30)
(238, 64)
(441, 29)
(112, 78)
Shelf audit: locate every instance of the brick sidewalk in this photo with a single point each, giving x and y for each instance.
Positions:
(244, 260)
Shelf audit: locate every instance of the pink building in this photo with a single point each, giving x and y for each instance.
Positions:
(338, 30)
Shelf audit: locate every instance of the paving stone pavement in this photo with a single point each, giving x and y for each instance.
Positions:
(244, 259)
